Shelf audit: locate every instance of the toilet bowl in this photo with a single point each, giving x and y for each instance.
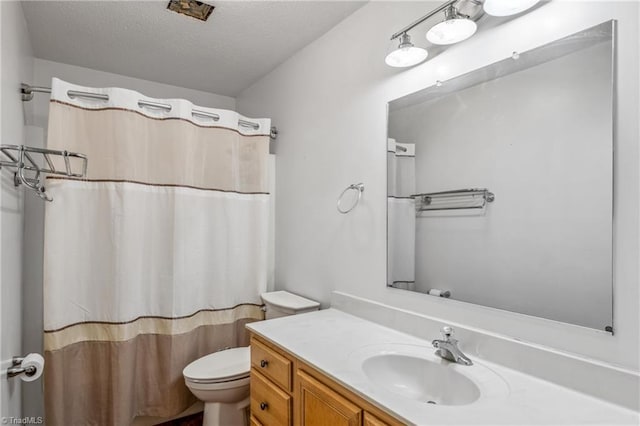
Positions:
(221, 381)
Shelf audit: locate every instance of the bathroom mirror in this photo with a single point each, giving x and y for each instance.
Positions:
(500, 184)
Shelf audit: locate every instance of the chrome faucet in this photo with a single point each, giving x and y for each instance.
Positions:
(448, 349)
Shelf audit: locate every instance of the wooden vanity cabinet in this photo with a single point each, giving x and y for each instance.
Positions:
(322, 406)
(271, 385)
(287, 392)
(254, 422)
(371, 420)
(272, 364)
(269, 404)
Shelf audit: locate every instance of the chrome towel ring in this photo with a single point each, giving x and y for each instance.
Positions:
(359, 187)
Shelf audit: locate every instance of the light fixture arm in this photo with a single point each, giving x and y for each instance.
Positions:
(452, 13)
(424, 18)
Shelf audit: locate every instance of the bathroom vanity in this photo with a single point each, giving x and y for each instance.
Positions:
(330, 367)
(284, 389)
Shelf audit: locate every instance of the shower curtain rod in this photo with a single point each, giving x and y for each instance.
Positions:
(27, 92)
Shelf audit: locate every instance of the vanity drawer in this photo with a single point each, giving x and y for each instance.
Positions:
(272, 364)
(269, 404)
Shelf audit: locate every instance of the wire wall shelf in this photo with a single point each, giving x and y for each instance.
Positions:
(31, 164)
(460, 199)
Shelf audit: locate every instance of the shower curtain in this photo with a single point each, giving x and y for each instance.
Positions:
(157, 258)
(401, 215)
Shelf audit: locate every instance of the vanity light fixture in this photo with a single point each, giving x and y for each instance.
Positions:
(458, 25)
(454, 29)
(406, 55)
(460, 17)
(507, 7)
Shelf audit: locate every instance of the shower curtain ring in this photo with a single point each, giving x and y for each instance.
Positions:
(359, 187)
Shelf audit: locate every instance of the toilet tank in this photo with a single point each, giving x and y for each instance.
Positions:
(282, 303)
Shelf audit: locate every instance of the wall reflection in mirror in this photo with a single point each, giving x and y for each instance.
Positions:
(500, 184)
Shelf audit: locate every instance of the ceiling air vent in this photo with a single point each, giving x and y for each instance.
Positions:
(193, 8)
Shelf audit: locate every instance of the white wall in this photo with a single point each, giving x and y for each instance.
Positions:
(542, 143)
(329, 102)
(16, 66)
(34, 207)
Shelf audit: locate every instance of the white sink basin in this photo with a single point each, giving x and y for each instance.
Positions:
(421, 379)
(414, 373)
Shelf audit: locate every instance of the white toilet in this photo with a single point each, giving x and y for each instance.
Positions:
(221, 379)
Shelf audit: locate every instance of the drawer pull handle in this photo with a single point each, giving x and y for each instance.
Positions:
(264, 406)
(264, 363)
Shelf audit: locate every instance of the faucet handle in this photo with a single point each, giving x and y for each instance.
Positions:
(446, 332)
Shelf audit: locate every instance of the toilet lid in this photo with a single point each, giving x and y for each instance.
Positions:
(284, 299)
(225, 365)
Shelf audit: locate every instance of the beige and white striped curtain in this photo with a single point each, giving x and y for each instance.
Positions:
(157, 258)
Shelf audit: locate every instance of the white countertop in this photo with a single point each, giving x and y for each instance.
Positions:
(328, 339)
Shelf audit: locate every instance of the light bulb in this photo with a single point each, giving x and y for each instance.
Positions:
(452, 31)
(507, 7)
(406, 54)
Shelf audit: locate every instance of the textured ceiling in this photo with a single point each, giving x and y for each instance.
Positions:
(241, 41)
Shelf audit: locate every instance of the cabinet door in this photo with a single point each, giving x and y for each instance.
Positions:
(321, 406)
(371, 420)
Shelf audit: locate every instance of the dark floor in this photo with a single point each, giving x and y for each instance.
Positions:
(192, 420)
